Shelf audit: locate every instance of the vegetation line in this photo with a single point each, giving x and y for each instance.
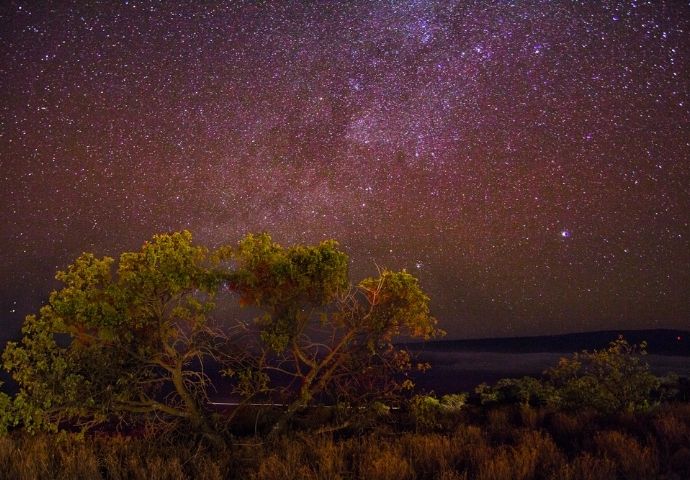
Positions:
(121, 353)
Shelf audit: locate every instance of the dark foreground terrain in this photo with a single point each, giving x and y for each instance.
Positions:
(501, 443)
(491, 434)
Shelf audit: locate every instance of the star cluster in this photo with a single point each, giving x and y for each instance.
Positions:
(528, 161)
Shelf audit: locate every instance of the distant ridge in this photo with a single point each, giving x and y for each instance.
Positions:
(659, 342)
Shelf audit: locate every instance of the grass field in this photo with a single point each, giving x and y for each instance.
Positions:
(509, 442)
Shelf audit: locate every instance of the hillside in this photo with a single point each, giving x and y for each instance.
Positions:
(659, 342)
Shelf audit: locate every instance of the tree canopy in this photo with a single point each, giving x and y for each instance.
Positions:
(330, 338)
(134, 339)
(118, 340)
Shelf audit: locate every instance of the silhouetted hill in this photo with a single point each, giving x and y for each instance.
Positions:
(460, 365)
(659, 342)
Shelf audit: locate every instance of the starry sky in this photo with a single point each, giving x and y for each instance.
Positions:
(529, 161)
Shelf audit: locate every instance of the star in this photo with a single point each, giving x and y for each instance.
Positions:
(459, 140)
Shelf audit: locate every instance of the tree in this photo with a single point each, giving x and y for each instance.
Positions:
(334, 341)
(133, 339)
(121, 342)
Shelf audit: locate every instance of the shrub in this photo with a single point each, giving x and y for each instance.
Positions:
(611, 380)
(7, 416)
(425, 411)
(431, 413)
(526, 390)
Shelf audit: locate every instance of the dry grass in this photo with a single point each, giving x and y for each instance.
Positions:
(587, 467)
(383, 461)
(633, 460)
(534, 456)
(532, 445)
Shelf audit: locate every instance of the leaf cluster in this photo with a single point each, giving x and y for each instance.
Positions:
(132, 339)
(109, 341)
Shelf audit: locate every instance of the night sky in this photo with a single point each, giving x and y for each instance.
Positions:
(528, 161)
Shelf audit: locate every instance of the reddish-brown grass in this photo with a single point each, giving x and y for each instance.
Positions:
(509, 443)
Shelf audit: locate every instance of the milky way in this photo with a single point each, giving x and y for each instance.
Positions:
(528, 161)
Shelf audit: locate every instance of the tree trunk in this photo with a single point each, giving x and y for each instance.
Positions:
(197, 417)
(308, 390)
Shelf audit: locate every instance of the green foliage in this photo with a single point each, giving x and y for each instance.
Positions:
(109, 342)
(252, 382)
(486, 393)
(669, 388)
(400, 307)
(304, 296)
(268, 274)
(425, 410)
(285, 281)
(454, 403)
(430, 413)
(127, 339)
(610, 380)
(7, 414)
(525, 390)
(53, 385)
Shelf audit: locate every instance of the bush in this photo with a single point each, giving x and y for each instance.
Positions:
(426, 412)
(430, 413)
(526, 390)
(611, 380)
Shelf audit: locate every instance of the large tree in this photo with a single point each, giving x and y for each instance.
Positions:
(121, 340)
(134, 338)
